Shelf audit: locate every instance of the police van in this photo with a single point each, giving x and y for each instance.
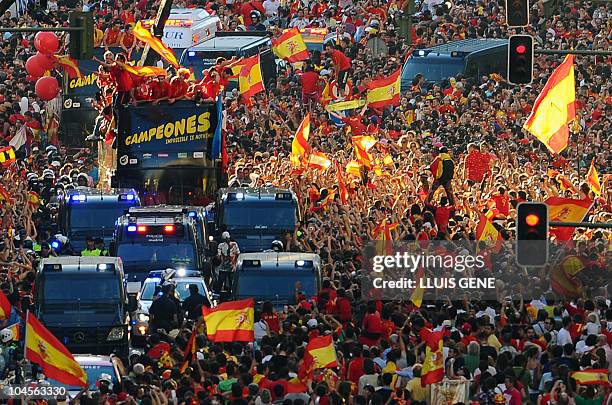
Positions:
(92, 212)
(272, 276)
(83, 302)
(186, 27)
(471, 58)
(153, 238)
(255, 217)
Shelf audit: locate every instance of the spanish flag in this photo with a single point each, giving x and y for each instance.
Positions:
(362, 155)
(190, 351)
(320, 353)
(319, 161)
(145, 71)
(417, 294)
(250, 80)
(433, 365)
(384, 240)
(7, 156)
(300, 146)
(144, 35)
(563, 277)
(485, 231)
(14, 328)
(56, 362)
(591, 377)
(555, 108)
(230, 321)
(33, 198)
(365, 142)
(353, 167)
(5, 195)
(70, 65)
(290, 46)
(344, 194)
(566, 210)
(388, 160)
(384, 92)
(5, 307)
(593, 179)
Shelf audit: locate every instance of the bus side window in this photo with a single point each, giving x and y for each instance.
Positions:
(471, 70)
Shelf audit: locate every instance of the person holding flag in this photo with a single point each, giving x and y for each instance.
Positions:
(443, 170)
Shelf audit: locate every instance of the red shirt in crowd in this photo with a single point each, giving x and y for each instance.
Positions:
(502, 203)
(477, 165)
(272, 321)
(341, 61)
(310, 82)
(355, 370)
(159, 89)
(357, 127)
(122, 78)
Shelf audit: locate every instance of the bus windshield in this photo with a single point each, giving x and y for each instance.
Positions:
(433, 70)
(160, 254)
(281, 284)
(266, 216)
(80, 287)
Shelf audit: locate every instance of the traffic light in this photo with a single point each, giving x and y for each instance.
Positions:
(517, 13)
(520, 59)
(532, 234)
(80, 45)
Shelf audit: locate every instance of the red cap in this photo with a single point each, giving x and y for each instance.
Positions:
(467, 327)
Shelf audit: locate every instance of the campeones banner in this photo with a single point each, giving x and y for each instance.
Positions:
(163, 135)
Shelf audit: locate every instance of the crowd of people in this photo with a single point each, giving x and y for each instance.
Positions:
(520, 350)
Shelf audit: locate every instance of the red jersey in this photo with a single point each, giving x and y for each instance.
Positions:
(178, 87)
(357, 127)
(112, 37)
(122, 78)
(502, 203)
(341, 61)
(310, 82)
(159, 89)
(272, 321)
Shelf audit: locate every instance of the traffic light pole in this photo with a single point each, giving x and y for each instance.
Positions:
(581, 224)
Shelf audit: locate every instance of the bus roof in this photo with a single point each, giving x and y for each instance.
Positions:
(278, 261)
(90, 191)
(468, 46)
(230, 42)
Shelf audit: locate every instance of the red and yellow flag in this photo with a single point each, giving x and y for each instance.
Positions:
(230, 321)
(319, 161)
(353, 167)
(591, 377)
(362, 155)
(344, 194)
(384, 240)
(14, 328)
(384, 92)
(70, 65)
(55, 361)
(290, 46)
(417, 294)
(144, 35)
(320, 353)
(33, 198)
(300, 146)
(555, 108)
(145, 71)
(485, 231)
(593, 179)
(190, 351)
(250, 80)
(563, 277)
(433, 365)
(7, 156)
(566, 210)
(5, 307)
(5, 195)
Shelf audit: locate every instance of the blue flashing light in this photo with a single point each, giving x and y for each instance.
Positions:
(192, 214)
(129, 197)
(191, 53)
(78, 198)
(55, 244)
(131, 228)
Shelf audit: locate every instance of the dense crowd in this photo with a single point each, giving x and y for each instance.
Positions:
(514, 351)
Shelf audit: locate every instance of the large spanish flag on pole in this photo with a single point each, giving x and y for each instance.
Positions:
(145, 71)
(299, 145)
(230, 321)
(566, 210)
(384, 92)
(144, 35)
(433, 365)
(591, 377)
(555, 108)
(250, 80)
(55, 361)
(290, 46)
(593, 179)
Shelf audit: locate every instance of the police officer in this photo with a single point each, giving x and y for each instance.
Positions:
(193, 304)
(163, 313)
(99, 243)
(227, 253)
(91, 249)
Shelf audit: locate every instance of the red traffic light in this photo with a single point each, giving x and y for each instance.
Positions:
(521, 49)
(532, 219)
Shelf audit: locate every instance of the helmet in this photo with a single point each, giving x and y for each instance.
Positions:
(105, 379)
(51, 148)
(225, 235)
(64, 179)
(32, 177)
(61, 238)
(82, 180)
(6, 335)
(255, 14)
(277, 246)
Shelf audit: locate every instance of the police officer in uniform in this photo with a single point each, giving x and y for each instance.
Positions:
(99, 243)
(91, 249)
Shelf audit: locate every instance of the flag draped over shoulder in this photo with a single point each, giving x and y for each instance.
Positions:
(55, 361)
(320, 353)
(290, 46)
(384, 92)
(433, 365)
(250, 80)
(593, 179)
(70, 65)
(566, 210)
(555, 108)
(144, 35)
(299, 145)
(591, 377)
(190, 351)
(231, 321)
(563, 277)
(5, 307)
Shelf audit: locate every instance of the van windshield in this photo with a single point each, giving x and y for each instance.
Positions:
(82, 287)
(163, 254)
(95, 216)
(264, 216)
(434, 70)
(270, 285)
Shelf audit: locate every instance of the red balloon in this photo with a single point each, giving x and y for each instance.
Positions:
(47, 88)
(46, 42)
(36, 65)
(46, 61)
